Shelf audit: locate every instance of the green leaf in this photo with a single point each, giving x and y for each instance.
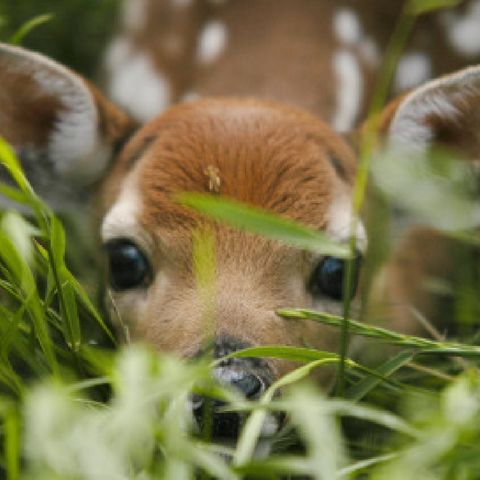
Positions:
(424, 345)
(28, 26)
(419, 7)
(295, 354)
(251, 431)
(12, 444)
(263, 223)
(25, 280)
(64, 288)
(365, 386)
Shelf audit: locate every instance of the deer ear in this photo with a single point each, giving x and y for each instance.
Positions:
(62, 128)
(444, 112)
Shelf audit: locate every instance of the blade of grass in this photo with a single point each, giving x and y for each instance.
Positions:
(252, 428)
(262, 223)
(419, 7)
(65, 292)
(12, 443)
(424, 345)
(25, 280)
(361, 389)
(28, 26)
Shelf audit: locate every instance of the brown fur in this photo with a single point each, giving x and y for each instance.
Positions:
(267, 155)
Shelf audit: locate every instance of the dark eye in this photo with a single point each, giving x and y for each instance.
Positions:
(328, 277)
(128, 267)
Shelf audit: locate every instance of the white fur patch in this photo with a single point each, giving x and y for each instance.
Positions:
(349, 90)
(414, 68)
(134, 14)
(346, 26)
(463, 30)
(369, 51)
(340, 221)
(122, 218)
(181, 3)
(134, 82)
(212, 42)
(190, 97)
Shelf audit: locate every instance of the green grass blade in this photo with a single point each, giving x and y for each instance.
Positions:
(64, 289)
(12, 443)
(425, 345)
(275, 465)
(295, 354)
(251, 431)
(420, 7)
(87, 304)
(28, 26)
(25, 280)
(365, 386)
(263, 223)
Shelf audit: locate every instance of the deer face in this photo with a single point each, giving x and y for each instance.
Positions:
(265, 154)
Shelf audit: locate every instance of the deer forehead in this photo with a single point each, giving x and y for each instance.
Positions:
(275, 158)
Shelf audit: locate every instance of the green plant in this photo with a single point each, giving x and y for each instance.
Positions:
(70, 409)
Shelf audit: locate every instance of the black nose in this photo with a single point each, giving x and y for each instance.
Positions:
(249, 376)
(227, 424)
(249, 384)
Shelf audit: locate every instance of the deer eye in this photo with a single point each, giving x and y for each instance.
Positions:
(328, 277)
(128, 266)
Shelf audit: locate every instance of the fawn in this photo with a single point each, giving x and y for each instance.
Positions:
(76, 144)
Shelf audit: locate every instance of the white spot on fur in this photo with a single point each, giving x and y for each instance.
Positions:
(347, 27)
(118, 53)
(181, 3)
(190, 97)
(134, 82)
(212, 42)
(414, 68)
(463, 30)
(134, 14)
(122, 218)
(340, 221)
(369, 51)
(349, 90)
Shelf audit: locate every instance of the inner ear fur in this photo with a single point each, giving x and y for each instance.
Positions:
(443, 112)
(60, 125)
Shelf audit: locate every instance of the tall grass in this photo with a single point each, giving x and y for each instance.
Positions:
(71, 409)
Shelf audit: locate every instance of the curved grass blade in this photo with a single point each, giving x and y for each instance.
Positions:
(361, 389)
(28, 26)
(25, 280)
(263, 223)
(251, 431)
(424, 345)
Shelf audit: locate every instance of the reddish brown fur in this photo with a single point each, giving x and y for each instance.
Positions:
(268, 155)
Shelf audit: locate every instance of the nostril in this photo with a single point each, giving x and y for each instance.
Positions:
(250, 385)
(196, 402)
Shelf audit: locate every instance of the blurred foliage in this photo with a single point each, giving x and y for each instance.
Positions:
(76, 35)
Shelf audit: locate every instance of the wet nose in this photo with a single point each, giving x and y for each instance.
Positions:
(250, 385)
(249, 376)
(227, 424)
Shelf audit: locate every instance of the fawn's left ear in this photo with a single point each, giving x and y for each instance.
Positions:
(444, 112)
(62, 128)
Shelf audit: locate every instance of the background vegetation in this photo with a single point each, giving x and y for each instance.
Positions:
(70, 409)
(76, 33)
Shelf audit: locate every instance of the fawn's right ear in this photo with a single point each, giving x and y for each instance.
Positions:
(62, 128)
